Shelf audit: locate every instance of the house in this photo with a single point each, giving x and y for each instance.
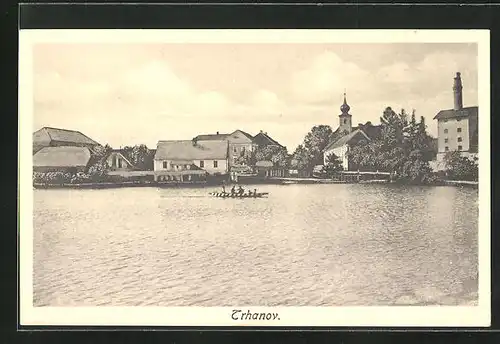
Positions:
(187, 160)
(457, 127)
(347, 136)
(239, 142)
(55, 137)
(117, 162)
(61, 159)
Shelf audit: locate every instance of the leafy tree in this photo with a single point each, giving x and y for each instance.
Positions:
(461, 168)
(403, 148)
(142, 157)
(333, 165)
(310, 152)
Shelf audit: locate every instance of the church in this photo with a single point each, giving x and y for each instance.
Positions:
(347, 136)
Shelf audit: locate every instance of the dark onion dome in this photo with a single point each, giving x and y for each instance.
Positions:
(345, 107)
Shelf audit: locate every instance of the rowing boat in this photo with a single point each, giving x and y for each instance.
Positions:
(236, 195)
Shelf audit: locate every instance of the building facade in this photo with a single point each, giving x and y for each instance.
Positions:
(457, 127)
(190, 159)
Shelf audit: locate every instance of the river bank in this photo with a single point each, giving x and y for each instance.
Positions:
(269, 181)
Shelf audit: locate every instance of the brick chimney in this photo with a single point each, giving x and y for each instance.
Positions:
(457, 92)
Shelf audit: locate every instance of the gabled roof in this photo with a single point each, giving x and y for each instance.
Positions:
(250, 137)
(452, 113)
(345, 139)
(209, 137)
(191, 150)
(62, 135)
(118, 151)
(262, 139)
(64, 156)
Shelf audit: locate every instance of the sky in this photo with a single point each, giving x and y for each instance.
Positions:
(127, 94)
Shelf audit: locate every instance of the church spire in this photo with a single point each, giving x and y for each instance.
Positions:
(345, 119)
(344, 108)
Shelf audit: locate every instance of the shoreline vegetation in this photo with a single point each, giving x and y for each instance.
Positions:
(269, 181)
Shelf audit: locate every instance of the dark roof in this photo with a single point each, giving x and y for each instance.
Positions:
(452, 113)
(62, 135)
(345, 139)
(262, 139)
(369, 129)
(191, 150)
(64, 156)
(209, 137)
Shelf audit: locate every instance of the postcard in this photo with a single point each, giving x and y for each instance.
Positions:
(274, 178)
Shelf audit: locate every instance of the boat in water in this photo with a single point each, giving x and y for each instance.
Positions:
(239, 195)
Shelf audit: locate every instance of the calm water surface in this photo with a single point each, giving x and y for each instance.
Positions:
(305, 245)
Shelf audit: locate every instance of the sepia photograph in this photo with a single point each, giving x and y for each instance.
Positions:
(254, 177)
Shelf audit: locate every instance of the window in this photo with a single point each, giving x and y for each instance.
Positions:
(459, 130)
(446, 131)
(165, 164)
(445, 140)
(345, 120)
(119, 163)
(446, 120)
(235, 160)
(459, 119)
(459, 148)
(235, 150)
(459, 139)
(114, 161)
(202, 163)
(446, 149)
(216, 164)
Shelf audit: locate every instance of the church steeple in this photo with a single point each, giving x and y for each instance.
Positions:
(345, 119)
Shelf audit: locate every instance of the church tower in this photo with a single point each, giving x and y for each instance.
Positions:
(345, 119)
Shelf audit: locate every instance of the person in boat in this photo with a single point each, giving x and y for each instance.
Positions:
(241, 190)
(255, 192)
(233, 190)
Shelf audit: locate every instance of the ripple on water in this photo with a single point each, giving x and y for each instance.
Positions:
(311, 245)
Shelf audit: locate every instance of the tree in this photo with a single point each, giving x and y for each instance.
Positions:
(142, 157)
(460, 168)
(333, 165)
(403, 148)
(315, 143)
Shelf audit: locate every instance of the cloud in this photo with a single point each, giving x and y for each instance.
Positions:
(326, 76)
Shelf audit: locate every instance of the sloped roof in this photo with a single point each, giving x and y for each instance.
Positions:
(264, 163)
(118, 152)
(345, 139)
(369, 129)
(243, 132)
(189, 150)
(452, 113)
(62, 135)
(262, 139)
(64, 156)
(210, 137)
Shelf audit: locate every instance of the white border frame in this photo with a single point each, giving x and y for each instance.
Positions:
(391, 316)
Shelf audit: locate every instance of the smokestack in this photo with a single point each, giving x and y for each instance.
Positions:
(457, 92)
(217, 133)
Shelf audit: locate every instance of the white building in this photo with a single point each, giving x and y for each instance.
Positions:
(457, 127)
(188, 158)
